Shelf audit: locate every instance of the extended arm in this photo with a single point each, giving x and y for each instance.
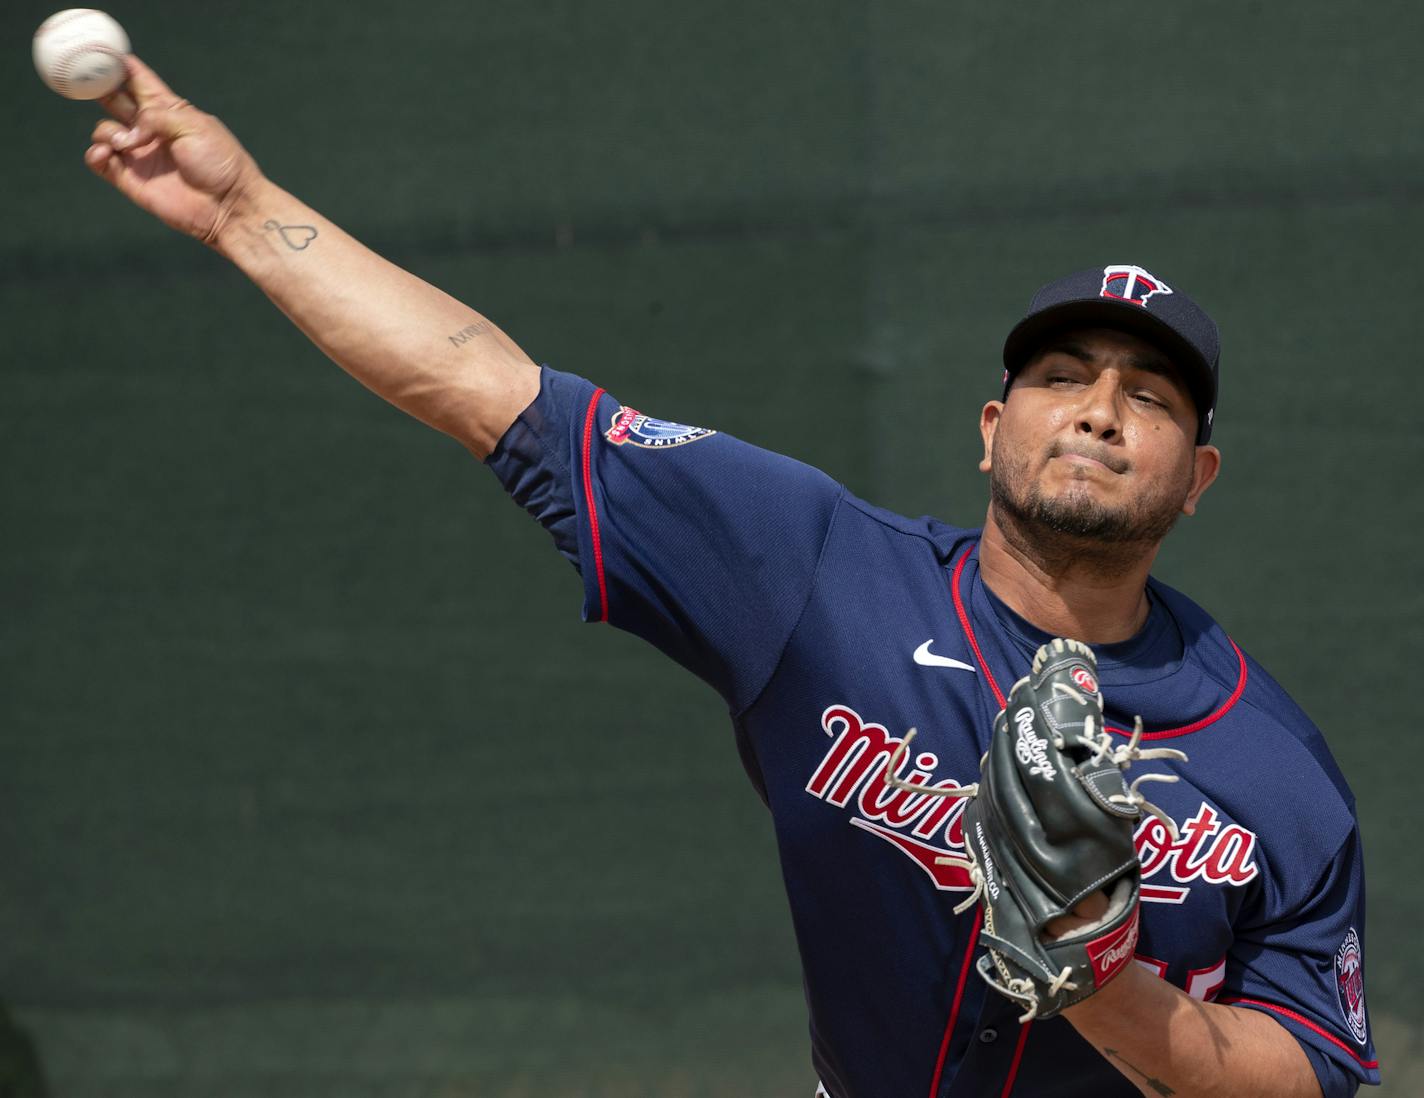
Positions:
(410, 343)
(1167, 1043)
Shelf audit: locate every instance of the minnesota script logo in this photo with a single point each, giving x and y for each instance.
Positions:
(920, 825)
(927, 828)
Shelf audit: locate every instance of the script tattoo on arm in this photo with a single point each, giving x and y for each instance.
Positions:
(295, 237)
(1155, 1084)
(469, 332)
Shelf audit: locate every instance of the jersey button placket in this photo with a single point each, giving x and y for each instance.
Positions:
(988, 1052)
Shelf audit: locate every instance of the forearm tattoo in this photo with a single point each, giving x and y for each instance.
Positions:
(1156, 1085)
(295, 237)
(467, 333)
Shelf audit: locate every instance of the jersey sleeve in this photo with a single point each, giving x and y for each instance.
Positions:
(1304, 965)
(702, 544)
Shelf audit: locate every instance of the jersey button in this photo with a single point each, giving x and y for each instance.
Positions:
(988, 1036)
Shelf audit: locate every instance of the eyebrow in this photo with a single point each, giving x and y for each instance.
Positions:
(1152, 363)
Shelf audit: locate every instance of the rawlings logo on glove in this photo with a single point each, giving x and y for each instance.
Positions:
(1032, 750)
(1038, 846)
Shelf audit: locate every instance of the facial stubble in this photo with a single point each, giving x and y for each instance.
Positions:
(1075, 518)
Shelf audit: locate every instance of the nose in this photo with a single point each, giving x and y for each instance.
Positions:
(1099, 413)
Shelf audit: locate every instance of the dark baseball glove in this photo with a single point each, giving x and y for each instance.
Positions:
(1051, 824)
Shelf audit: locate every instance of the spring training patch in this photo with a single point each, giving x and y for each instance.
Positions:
(631, 425)
(1350, 982)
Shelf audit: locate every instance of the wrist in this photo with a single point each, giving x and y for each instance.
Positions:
(244, 211)
(1128, 986)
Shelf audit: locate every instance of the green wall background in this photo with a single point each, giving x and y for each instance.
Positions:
(312, 781)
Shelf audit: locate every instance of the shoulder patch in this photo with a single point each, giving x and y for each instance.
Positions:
(1350, 983)
(631, 425)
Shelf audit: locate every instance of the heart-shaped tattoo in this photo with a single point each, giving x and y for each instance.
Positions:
(296, 237)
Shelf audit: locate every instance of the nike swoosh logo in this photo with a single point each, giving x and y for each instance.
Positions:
(925, 658)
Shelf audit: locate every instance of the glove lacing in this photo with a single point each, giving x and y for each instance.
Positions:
(1124, 755)
(1022, 990)
(969, 865)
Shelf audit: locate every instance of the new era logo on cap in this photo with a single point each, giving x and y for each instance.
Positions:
(1127, 283)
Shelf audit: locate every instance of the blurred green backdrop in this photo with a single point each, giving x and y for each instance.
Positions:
(312, 781)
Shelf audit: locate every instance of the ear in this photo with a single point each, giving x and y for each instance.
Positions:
(988, 423)
(1207, 462)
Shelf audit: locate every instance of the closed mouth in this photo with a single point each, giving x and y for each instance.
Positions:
(1107, 461)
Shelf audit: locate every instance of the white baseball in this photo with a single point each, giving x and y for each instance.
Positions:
(79, 53)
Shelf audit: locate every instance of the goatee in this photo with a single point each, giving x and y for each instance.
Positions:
(1075, 522)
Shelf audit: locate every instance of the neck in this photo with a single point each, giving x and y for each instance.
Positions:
(1070, 587)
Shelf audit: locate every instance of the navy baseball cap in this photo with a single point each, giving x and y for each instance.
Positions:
(1130, 299)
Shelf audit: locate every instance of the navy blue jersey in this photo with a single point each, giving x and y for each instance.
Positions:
(831, 627)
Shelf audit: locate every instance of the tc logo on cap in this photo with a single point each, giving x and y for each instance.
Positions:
(1128, 283)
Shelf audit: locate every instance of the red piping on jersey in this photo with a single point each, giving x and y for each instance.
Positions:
(1162, 734)
(954, 1007)
(1210, 717)
(969, 630)
(1018, 1055)
(592, 507)
(1369, 1065)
